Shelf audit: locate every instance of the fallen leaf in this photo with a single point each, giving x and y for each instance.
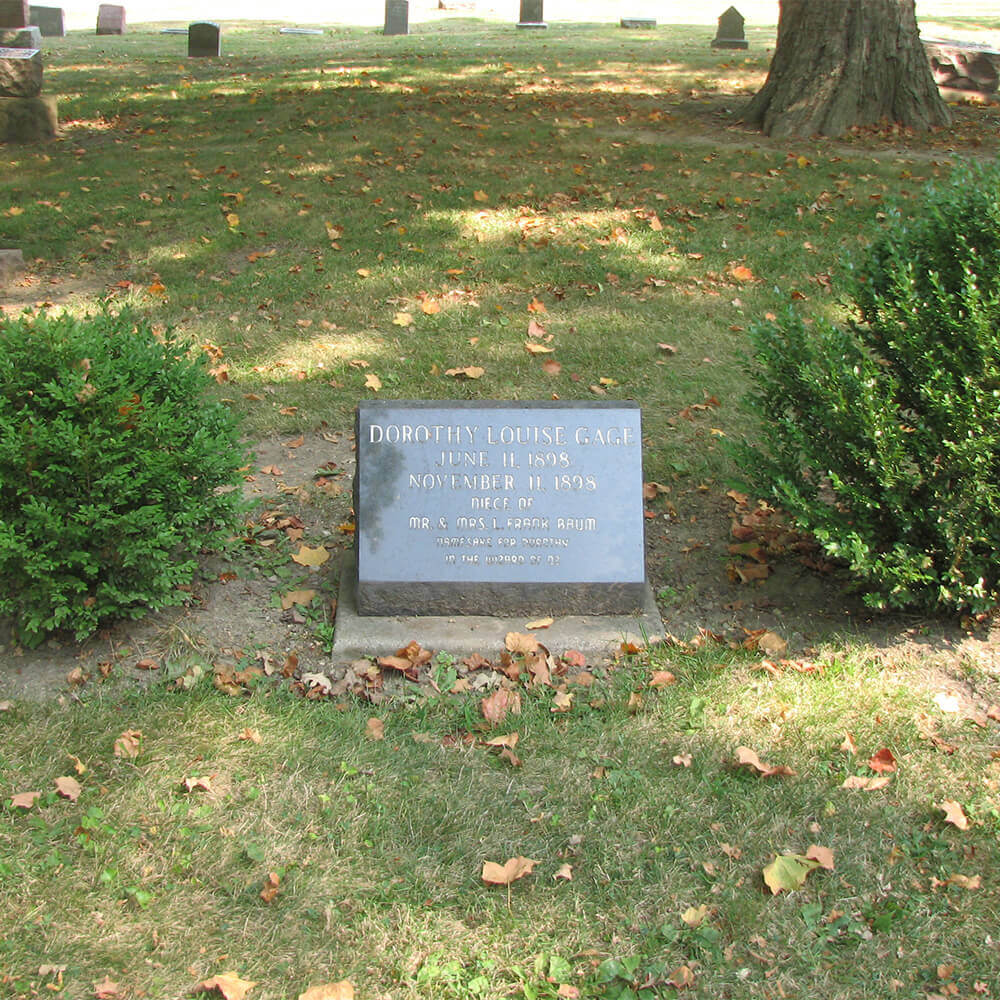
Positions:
(402, 319)
(204, 784)
(496, 706)
(771, 644)
(883, 762)
(788, 872)
(661, 679)
(564, 872)
(509, 741)
(147, 664)
(954, 814)
(866, 783)
(541, 623)
(430, 307)
(480, 196)
(469, 371)
(24, 800)
(562, 702)
(68, 788)
(512, 870)
(128, 744)
(695, 916)
(745, 757)
(682, 760)
(521, 642)
(106, 989)
(311, 557)
(823, 856)
(964, 881)
(741, 272)
(228, 984)
(6, 706)
(375, 729)
(331, 991)
(301, 597)
(272, 886)
(250, 735)
(682, 977)
(373, 382)
(849, 746)
(532, 348)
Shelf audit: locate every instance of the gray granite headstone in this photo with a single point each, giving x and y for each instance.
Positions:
(730, 32)
(638, 22)
(487, 508)
(14, 13)
(110, 19)
(300, 31)
(51, 21)
(204, 40)
(963, 65)
(397, 17)
(28, 119)
(11, 265)
(531, 14)
(20, 72)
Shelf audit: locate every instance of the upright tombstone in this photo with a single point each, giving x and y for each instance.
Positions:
(397, 17)
(50, 21)
(110, 19)
(14, 13)
(25, 116)
(730, 33)
(531, 14)
(489, 508)
(204, 40)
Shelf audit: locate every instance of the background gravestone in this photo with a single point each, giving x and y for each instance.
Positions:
(487, 508)
(531, 15)
(14, 13)
(25, 116)
(963, 65)
(397, 17)
(50, 21)
(110, 19)
(730, 32)
(204, 40)
(638, 22)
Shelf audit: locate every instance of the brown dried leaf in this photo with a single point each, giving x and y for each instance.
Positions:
(954, 814)
(272, 886)
(106, 989)
(228, 984)
(865, 783)
(24, 800)
(564, 872)
(375, 729)
(509, 741)
(745, 757)
(330, 991)
(883, 762)
(128, 744)
(661, 679)
(541, 623)
(496, 706)
(520, 642)
(311, 557)
(512, 870)
(68, 788)
(822, 855)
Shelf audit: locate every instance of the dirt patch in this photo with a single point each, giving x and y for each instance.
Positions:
(234, 613)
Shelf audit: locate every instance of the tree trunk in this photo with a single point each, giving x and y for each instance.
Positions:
(841, 63)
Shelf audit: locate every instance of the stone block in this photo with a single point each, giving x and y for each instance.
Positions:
(50, 21)
(21, 38)
(966, 66)
(531, 14)
(638, 22)
(204, 40)
(28, 119)
(11, 265)
(20, 72)
(110, 19)
(14, 14)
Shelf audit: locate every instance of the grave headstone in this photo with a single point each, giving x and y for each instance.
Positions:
(204, 40)
(110, 19)
(967, 66)
(531, 14)
(21, 38)
(11, 265)
(20, 72)
(638, 22)
(730, 33)
(300, 31)
(14, 14)
(397, 17)
(486, 508)
(51, 21)
(173, 31)
(28, 119)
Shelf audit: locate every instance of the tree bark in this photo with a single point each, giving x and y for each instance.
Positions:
(841, 63)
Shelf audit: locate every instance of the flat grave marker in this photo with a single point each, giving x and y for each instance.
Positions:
(487, 508)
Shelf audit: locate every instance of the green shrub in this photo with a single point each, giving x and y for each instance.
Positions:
(881, 435)
(115, 469)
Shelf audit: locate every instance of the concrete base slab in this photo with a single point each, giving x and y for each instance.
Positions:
(598, 637)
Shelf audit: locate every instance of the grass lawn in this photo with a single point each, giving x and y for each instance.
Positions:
(347, 216)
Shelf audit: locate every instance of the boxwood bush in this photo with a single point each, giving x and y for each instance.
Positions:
(881, 434)
(116, 468)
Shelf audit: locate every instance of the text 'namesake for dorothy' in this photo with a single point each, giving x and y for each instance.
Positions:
(492, 507)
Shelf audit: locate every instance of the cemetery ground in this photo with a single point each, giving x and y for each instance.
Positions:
(790, 796)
